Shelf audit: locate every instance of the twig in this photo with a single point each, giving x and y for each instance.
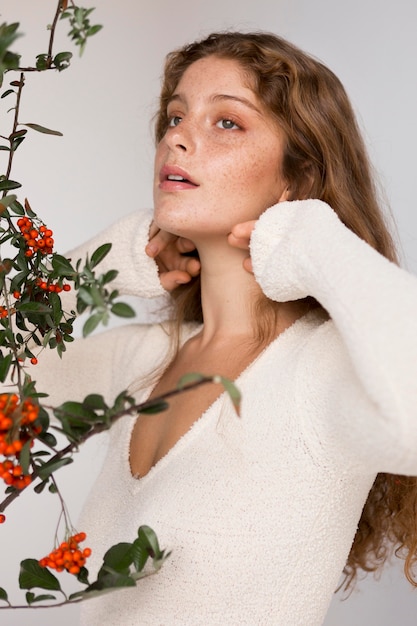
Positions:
(53, 28)
(15, 125)
(102, 427)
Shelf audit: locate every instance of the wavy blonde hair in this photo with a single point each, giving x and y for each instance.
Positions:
(325, 157)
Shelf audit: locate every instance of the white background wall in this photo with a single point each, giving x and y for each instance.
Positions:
(102, 168)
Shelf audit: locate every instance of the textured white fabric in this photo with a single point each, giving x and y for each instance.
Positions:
(260, 510)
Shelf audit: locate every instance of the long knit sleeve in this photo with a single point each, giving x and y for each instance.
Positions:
(138, 274)
(97, 364)
(302, 248)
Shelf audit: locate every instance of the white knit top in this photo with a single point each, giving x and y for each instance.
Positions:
(259, 510)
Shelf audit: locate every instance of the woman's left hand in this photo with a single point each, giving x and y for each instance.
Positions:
(170, 254)
(239, 237)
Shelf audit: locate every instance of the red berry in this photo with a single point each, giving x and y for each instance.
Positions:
(34, 360)
(2, 518)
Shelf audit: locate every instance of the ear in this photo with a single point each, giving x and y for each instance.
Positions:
(304, 186)
(285, 195)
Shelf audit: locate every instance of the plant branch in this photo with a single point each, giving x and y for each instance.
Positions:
(101, 427)
(15, 125)
(53, 28)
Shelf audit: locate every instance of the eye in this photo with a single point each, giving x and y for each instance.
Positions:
(174, 120)
(227, 124)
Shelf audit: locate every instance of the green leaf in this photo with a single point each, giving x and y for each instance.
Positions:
(9, 184)
(16, 143)
(93, 30)
(85, 295)
(149, 540)
(5, 363)
(119, 557)
(92, 323)
(109, 276)
(62, 60)
(48, 468)
(41, 598)
(123, 310)
(99, 254)
(95, 402)
(140, 555)
(232, 391)
(55, 301)
(151, 407)
(48, 439)
(3, 595)
(24, 457)
(6, 201)
(40, 487)
(17, 208)
(7, 93)
(82, 576)
(18, 133)
(43, 129)
(108, 580)
(75, 410)
(62, 266)
(33, 307)
(29, 597)
(33, 575)
(189, 379)
(42, 61)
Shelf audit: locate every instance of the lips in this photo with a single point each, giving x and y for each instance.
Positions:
(173, 178)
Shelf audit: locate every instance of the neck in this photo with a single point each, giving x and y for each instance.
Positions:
(228, 295)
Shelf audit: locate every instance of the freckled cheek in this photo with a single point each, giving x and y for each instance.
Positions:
(249, 179)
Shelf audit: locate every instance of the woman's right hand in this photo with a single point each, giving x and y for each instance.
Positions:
(168, 251)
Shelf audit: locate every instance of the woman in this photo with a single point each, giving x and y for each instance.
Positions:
(261, 168)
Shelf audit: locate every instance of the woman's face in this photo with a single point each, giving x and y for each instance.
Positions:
(219, 162)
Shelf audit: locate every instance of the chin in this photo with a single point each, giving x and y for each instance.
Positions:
(186, 221)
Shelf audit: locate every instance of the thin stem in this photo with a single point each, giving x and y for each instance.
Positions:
(15, 125)
(45, 606)
(102, 427)
(49, 59)
(13, 345)
(53, 28)
(64, 511)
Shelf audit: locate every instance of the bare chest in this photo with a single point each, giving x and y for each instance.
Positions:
(153, 436)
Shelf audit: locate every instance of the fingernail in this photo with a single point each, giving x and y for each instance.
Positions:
(151, 249)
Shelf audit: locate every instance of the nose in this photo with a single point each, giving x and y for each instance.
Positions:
(181, 137)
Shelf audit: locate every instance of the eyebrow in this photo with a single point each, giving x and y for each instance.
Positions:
(220, 97)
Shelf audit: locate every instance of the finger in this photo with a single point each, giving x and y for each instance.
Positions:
(193, 266)
(185, 245)
(159, 242)
(153, 229)
(244, 229)
(173, 262)
(238, 242)
(171, 280)
(247, 264)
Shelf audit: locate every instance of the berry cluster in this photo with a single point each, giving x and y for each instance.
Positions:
(3, 312)
(68, 556)
(12, 474)
(36, 240)
(52, 287)
(17, 426)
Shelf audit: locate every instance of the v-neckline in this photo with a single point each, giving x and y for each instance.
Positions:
(139, 481)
